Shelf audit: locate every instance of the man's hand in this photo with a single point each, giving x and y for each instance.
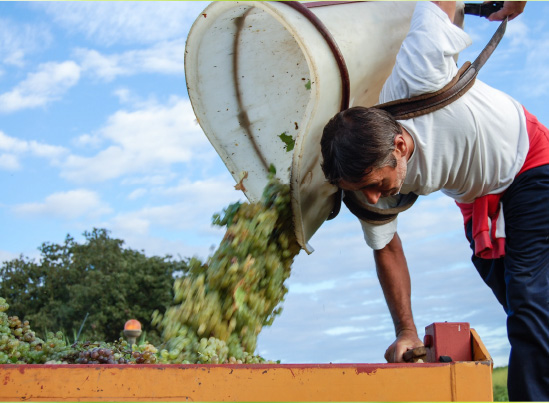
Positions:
(406, 340)
(510, 9)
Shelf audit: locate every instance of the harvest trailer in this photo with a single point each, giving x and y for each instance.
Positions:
(457, 368)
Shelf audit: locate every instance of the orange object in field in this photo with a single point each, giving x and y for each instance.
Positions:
(452, 381)
(132, 324)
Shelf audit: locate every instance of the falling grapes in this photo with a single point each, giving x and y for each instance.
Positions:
(222, 305)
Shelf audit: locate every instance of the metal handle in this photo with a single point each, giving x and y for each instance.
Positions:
(483, 9)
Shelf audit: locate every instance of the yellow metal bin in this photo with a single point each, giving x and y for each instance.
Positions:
(435, 381)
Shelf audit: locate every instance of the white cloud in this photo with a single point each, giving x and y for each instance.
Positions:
(145, 142)
(149, 180)
(132, 224)
(219, 188)
(12, 144)
(9, 162)
(162, 246)
(46, 85)
(110, 23)
(18, 40)
(87, 141)
(13, 148)
(137, 193)
(66, 205)
(140, 221)
(188, 219)
(518, 34)
(536, 76)
(193, 213)
(300, 288)
(164, 58)
(124, 95)
(341, 330)
(106, 67)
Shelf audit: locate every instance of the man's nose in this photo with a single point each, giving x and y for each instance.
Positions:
(372, 195)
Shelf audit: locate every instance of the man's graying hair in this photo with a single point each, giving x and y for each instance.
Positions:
(357, 141)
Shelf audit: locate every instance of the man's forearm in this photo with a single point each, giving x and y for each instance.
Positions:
(392, 271)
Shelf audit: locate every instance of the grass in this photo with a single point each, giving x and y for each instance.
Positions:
(499, 382)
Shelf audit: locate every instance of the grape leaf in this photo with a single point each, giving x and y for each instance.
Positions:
(288, 140)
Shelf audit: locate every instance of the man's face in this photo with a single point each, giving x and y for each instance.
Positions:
(381, 182)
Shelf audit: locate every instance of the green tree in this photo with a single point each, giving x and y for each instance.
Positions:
(98, 279)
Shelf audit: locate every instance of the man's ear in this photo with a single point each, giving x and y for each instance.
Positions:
(400, 144)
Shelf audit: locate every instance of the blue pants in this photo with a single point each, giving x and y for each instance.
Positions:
(520, 282)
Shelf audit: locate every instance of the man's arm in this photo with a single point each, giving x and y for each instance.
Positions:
(392, 271)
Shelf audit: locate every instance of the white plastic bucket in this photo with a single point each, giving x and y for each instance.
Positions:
(255, 70)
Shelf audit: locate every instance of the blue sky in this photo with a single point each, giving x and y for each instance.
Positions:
(96, 130)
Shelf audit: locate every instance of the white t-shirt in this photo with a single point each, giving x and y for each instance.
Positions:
(472, 147)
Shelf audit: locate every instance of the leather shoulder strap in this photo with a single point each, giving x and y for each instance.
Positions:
(426, 103)
(403, 109)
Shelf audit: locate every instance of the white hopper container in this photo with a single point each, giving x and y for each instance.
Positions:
(255, 70)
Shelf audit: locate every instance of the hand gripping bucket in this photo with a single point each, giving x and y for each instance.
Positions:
(265, 76)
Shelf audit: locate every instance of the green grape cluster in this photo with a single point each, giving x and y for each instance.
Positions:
(144, 354)
(188, 349)
(56, 349)
(12, 348)
(19, 344)
(21, 330)
(224, 303)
